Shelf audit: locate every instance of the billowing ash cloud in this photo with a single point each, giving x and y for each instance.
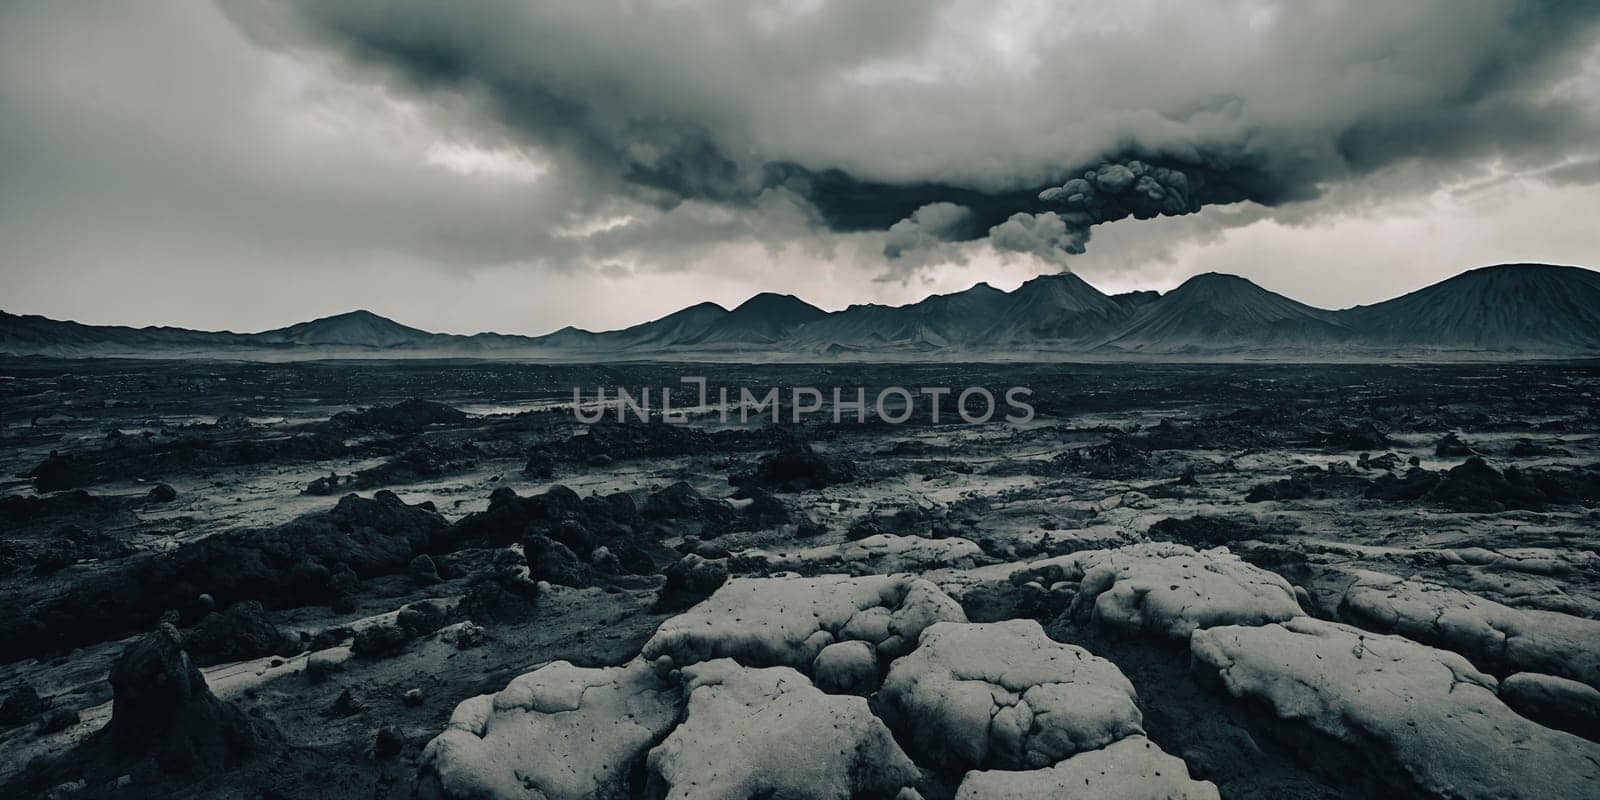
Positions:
(1050, 236)
(1037, 124)
(1108, 192)
(924, 236)
(1114, 191)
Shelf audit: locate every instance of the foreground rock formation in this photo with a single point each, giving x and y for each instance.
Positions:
(1426, 716)
(1129, 769)
(1496, 637)
(765, 622)
(164, 711)
(770, 733)
(720, 706)
(1004, 695)
(1172, 590)
(557, 553)
(560, 732)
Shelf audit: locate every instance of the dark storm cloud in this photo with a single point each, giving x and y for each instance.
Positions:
(869, 112)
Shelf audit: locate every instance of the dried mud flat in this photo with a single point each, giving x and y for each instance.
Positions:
(414, 579)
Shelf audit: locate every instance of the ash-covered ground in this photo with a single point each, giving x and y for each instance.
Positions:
(415, 579)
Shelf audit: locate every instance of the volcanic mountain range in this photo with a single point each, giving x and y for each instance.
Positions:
(1505, 311)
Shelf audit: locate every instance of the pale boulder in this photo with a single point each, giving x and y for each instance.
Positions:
(846, 668)
(770, 733)
(1172, 590)
(1495, 636)
(1129, 769)
(560, 732)
(1426, 715)
(764, 622)
(1002, 694)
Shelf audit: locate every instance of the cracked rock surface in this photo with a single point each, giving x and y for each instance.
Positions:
(1425, 714)
(1172, 590)
(764, 622)
(879, 553)
(770, 733)
(1129, 769)
(558, 732)
(1495, 636)
(1556, 702)
(1004, 695)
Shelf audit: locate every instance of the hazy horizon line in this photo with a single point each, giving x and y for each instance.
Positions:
(924, 299)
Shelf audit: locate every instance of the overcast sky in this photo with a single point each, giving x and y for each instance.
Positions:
(520, 166)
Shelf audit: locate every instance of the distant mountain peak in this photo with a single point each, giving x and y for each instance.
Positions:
(358, 328)
(1534, 307)
(1511, 310)
(784, 305)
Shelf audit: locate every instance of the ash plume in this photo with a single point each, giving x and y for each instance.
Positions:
(719, 103)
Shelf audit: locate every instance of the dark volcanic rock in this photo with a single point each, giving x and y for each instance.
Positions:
(509, 517)
(1476, 486)
(689, 580)
(407, 416)
(905, 520)
(328, 484)
(1346, 435)
(387, 743)
(163, 709)
(125, 459)
(682, 501)
(242, 632)
(379, 641)
(1000, 600)
(797, 467)
(311, 560)
(19, 510)
(424, 569)
(539, 466)
(57, 719)
(1207, 434)
(421, 618)
(1452, 446)
(615, 441)
(1576, 486)
(1292, 488)
(161, 493)
(1414, 485)
(1115, 459)
(21, 707)
(500, 597)
(550, 560)
(1202, 531)
(421, 462)
(1528, 448)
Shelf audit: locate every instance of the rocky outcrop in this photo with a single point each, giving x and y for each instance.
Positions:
(1554, 702)
(1129, 769)
(1172, 590)
(315, 559)
(1004, 695)
(162, 709)
(883, 553)
(763, 622)
(770, 733)
(846, 668)
(689, 580)
(560, 732)
(1494, 636)
(1423, 716)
